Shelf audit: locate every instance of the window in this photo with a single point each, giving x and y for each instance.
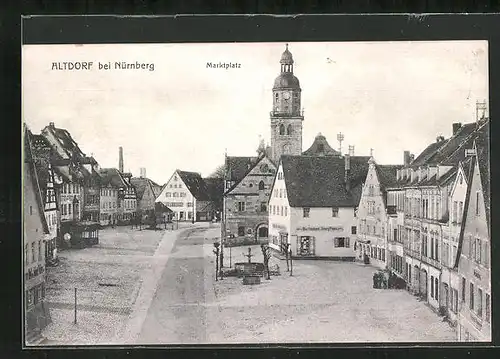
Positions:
(261, 185)
(341, 242)
(463, 289)
(289, 130)
(436, 249)
(241, 231)
(31, 210)
(281, 210)
(487, 307)
(32, 252)
(353, 229)
(477, 203)
(460, 211)
(175, 194)
(241, 206)
(436, 288)
(39, 250)
(432, 286)
(335, 212)
(286, 211)
(263, 207)
(282, 129)
(479, 302)
(26, 259)
(306, 212)
(455, 214)
(182, 194)
(471, 297)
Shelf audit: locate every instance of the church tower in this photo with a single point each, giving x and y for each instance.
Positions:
(286, 116)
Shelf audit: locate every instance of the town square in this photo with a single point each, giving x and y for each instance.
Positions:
(166, 208)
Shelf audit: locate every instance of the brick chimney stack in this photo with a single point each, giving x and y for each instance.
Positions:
(143, 172)
(120, 159)
(347, 159)
(406, 160)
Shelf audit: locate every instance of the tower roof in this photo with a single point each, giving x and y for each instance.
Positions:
(320, 147)
(286, 57)
(286, 79)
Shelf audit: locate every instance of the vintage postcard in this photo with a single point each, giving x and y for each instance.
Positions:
(242, 193)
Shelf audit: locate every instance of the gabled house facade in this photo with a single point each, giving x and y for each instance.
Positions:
(127, 200)
(450, 238)
(35, 233)
(313, 205)
(188, 196)
(422, 194)
(112, 183)
(246, 196)
(474, 260)
(42, 153)
(91, 190)
(374, 219)
(146, 191)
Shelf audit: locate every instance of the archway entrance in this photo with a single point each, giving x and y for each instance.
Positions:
(261, 232)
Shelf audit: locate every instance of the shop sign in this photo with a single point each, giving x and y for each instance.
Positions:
(321, 228)
(279, 226)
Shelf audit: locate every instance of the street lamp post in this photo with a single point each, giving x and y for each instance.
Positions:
(216, 252)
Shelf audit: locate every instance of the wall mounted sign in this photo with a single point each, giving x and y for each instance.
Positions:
(279, 226)
(326, 229)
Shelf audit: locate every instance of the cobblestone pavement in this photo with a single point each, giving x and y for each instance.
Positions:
(176, 299)
(108, 278)
(322, 302)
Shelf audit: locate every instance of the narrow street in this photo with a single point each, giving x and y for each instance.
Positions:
(178, 313)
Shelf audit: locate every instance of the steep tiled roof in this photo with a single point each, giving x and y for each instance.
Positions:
(449, 151)
(113, 177)
(314, 181)
(387, 175)
(320, 147)
(29, 165)
(67, 142)
(483, 158)
(141, 183)
(358, 172)
(215, 188)
(237, 167)
(426, 154)
(162, 208)
(195, 184)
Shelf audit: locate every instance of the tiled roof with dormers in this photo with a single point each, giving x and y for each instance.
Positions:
(313, 181)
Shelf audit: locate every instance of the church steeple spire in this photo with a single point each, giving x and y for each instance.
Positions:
(286, 61)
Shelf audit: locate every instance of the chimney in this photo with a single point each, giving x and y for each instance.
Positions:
(120, 159)
(347, 159)
(143, 172)
(406, 160)
(51, 125)
(456, 126)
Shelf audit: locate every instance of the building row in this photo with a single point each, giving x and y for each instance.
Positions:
(428, 222)
(78, 195)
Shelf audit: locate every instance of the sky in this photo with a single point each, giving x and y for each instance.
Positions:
(385, 96)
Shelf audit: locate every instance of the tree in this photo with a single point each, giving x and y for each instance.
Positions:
(219, 172)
